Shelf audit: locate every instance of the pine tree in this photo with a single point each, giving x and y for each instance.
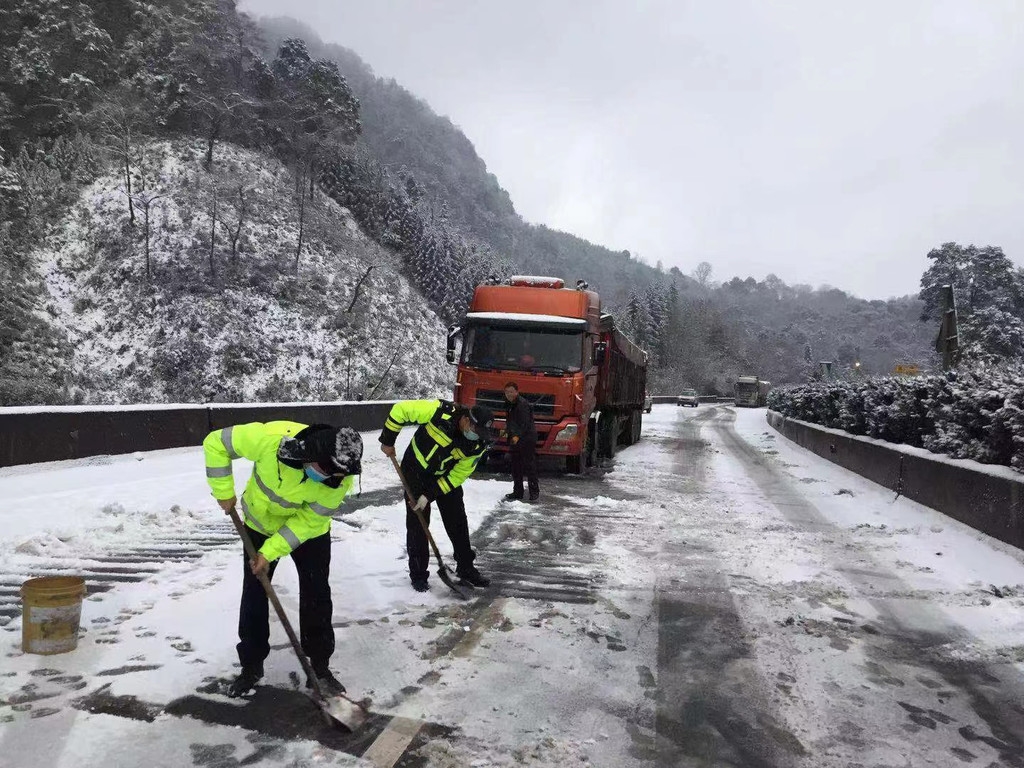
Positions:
(55, 56)
(655, 300)
(989, 295)
(10, 204)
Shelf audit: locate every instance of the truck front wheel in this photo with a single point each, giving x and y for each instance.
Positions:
(575, 465)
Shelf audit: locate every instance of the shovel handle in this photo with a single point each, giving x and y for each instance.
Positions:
(419, 515)
(442, 571)
(250, 550)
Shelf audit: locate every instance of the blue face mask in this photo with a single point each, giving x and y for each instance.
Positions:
(471, 435)
(316, 475)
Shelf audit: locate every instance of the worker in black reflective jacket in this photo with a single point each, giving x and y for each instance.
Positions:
(443, 452)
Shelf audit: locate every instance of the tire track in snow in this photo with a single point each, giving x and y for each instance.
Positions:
(713, 706)
(544, 551)
(914, 635)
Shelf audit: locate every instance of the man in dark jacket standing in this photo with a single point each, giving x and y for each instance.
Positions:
(522, 442)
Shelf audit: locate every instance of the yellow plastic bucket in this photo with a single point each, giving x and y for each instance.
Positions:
(51, 613)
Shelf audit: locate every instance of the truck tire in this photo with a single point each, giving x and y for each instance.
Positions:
(577, 465)
(590, 444)
(628, 429)
(608, 436)
(638, 425)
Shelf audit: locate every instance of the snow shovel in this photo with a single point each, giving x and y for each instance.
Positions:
(336, 710)
(442, 571)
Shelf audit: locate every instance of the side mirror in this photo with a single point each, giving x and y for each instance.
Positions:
(453, 333)
(600, 347)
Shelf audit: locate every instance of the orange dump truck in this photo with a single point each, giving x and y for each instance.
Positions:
(585, 379)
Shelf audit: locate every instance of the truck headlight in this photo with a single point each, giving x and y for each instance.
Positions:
(567, 433)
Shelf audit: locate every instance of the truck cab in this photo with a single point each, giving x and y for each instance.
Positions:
(749, 391)
(553, 343)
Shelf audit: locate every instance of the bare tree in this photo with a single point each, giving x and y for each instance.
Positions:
(384, 376)
(220, 111)
(359, 284)
(702, 274)
(214, 202)
(119, 125)
(145, 193)
(234, 229)
(145, 201)
(301, 204)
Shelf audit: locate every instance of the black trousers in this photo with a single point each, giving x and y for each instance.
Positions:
(524, 462)
(453, 514)
(312, 560)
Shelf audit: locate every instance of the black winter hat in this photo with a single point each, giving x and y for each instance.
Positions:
(339, 449)
(482, 418)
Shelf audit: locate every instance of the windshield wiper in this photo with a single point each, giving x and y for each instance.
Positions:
(555, 370)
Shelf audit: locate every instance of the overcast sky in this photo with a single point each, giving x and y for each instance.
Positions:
(826, 142)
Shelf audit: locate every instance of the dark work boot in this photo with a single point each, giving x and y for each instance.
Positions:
(329, 684)
(246, 680)
(513, 496)
(472, 577)
(420, 585)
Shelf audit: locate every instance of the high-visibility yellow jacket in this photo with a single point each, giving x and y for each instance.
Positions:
(279, 501)
(441, 450)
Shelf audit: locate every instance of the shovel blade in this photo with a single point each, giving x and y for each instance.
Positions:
(446, 578)
(344, 711)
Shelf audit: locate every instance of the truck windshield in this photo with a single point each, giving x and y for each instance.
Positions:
(746, 387)
(546, 350)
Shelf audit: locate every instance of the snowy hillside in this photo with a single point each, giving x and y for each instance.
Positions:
(238, 289)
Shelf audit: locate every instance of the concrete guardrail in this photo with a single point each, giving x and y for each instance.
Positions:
(33, 434)
(987, 497)
(39, 433)
(663, 399)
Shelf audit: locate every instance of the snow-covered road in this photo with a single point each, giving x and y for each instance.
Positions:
(720, 597)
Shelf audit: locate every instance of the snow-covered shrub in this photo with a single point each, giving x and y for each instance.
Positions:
(971, 414)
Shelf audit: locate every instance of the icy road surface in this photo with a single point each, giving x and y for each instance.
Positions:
(718, 598)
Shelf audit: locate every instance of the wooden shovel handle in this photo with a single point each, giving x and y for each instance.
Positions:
(250, 550)
(419, 516)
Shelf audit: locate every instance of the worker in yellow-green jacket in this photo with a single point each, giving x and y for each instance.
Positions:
(300, 477)
(443, 452)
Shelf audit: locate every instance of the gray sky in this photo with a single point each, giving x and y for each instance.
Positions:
(825, 142)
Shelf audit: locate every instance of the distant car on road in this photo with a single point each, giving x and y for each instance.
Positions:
(688, 397)
(648, 403)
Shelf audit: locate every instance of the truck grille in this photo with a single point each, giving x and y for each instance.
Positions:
(543, 405)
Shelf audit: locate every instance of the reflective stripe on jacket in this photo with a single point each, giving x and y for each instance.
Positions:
(279, 501)
(439, 447)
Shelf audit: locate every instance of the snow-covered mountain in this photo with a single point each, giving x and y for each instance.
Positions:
(217, 275)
